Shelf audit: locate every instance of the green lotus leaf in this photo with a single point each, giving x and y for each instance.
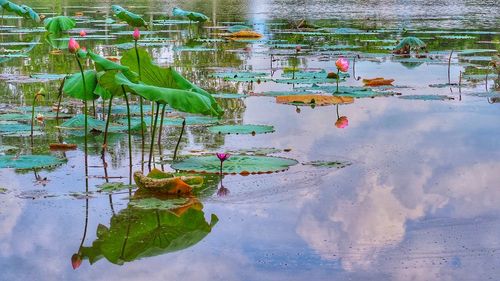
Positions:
(238, 27)
(29, 161)
(58, 24)
(73, 86)
(31, 14)
(157, 76)
(241, 129)
(103, 64)
(13, 8)
(413, 42)
(136, 233)
(130, 18)
(194, 16)
(77, 123)
(242, 74)
(238, 164)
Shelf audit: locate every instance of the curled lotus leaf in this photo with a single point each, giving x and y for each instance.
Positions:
(29, 161)
(130, 18)
(241, 129)
(194, 16)
(236, 164)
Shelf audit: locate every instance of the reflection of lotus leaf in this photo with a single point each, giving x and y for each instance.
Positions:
(241, 129)
(136, 233)
(239, 164)
(411, 41)
(29, 161)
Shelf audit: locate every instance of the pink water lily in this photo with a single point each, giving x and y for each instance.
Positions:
(73, 46)
(342, 122)
(342, 64)
(222, 157)
(136, 34)
(83, 33)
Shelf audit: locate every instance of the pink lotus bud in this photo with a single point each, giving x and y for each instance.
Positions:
(73, 46)
(223, 156)
(83, 33)
(76, 261)
(342, 122)
(137, 34)
(342, 64)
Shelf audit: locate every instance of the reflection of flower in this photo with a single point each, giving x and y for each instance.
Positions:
(76, 260)
(342, 64)
(298, 48)
(137, 34)
(342, 122)
(73, 46)
(222, 191)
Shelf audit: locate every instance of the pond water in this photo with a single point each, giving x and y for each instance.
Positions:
(399, 183)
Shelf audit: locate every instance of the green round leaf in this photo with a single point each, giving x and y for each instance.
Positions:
(242, 129)
(236, 164)
(29, 161)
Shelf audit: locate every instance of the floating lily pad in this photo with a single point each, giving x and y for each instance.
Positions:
(476, 51)
(111, 187)
(236, 164)
(314, 100)
(427, 97)
(456, 37)
(239, 74)
(3, 190)
(194, 49)
(241, 129)
(255, 151)
(328, 164)
(77, 123)
(352, 91)
(29, 161)
(228, 96)
(190, 120)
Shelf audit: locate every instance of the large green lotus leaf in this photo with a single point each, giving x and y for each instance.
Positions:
(57, 41)
(29, 161)
(427, 97)
(59, 24)
(242, 129)
(412, 41)
(129, 17)
(15, 127)
(157, 76)
(238, 164)
(136, 233)
(194, 16)
(105, 64)
(30, 14)
(73, 86)
(182, 100)
(13, 8)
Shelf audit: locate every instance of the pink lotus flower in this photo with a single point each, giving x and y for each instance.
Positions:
(73, 46)
(76, 261)
(137, 34)
(342, 122)
(83, 33)
(342, 64)
(223, 156)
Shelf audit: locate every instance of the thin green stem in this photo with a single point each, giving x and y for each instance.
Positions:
(33, 118)
(179, 140)
(86, 121)
(129, 134)
(105, 142)
(60, 94)
(151, 148)
(338, 77)
(140, 105)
